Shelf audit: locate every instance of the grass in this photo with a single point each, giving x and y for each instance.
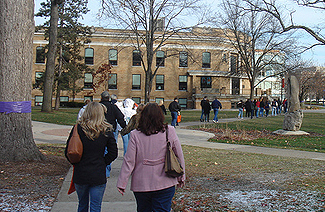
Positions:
(283, 172)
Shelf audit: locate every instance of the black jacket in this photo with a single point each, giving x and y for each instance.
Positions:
(91, 169)
(113, 114)
(174, 107)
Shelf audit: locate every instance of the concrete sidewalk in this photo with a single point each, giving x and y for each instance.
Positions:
(113, 201)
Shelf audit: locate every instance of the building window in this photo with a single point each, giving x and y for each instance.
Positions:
(112, 81)
(183, 59)
(224, 58)
(38, 100)
(112, 57)
(137, 100)
(38, 79)
(233, 63)
(159, 99)
(136, 81)
(206, 60)
(182, 102)
(88, 97)
(89, 56)
(206, 82)
(160, 58)
(64, 100)
(136, 58)
(40, 54)
(160, 79)
(182, 83)
(88, 83)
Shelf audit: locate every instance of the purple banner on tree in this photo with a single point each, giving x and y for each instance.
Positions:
(16, 107)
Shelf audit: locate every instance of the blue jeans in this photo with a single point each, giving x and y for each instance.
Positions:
(261, 111)
(274, 113)
(160, 200)
(202, 114)
(125, 139)
(257, 112)
(240, 114)
(95, 193)
(174, 118)
(216, 111)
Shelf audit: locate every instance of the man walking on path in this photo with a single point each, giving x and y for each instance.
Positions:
(216, 105)
(112, 115)
(174, 108)
(202, 103)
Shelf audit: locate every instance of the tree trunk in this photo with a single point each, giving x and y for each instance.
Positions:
(16, 58)
(58, 84)
(50, 59)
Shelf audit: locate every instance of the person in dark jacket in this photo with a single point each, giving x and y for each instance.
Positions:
(216, 105)
(249, 108)
(89, 174)
(174, 108)
(113, 116)
(202, 103)
(162, 107)
(206, 110)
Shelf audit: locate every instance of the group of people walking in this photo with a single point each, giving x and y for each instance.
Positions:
(143, 130)
(261, 107)
(206, 108)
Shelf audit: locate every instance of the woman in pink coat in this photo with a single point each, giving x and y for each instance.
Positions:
(145, 159)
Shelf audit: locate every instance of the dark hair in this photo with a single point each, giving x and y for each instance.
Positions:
(152, 120)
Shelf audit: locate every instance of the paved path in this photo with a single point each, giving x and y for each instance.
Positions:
(113, 201)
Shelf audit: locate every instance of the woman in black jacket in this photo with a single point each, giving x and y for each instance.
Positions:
(90, 173)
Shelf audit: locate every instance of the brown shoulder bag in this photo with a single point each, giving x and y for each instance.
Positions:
(75, 147)
(173, 167)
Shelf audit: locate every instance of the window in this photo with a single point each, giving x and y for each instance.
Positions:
(64, 100)
(38, 100)
(112, 57)
(136, 58)
(112, 81)
(88, 83)
(89, 56)
(183, 59)
(182, 102)
(40, 54)
(160, 58)
(182, 83)
(206, 82)
(160, 82)
(206, 60)
(233, 64)
(88, 97)
(137, 100)
(38, 79)
(224, 58)
(136, 81)
(159, 99)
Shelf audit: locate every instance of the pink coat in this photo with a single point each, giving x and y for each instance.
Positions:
(144, 160)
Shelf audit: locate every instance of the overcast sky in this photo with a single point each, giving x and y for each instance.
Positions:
(303, 15)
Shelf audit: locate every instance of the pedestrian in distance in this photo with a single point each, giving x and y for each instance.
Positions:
(216, 106)
(82, 110)
(89, 175)
(240, 106)
(262, 105)
(174, 109)
(202, 103)
(249, 108)
(206, 110)
(144, 162)
(162, 107)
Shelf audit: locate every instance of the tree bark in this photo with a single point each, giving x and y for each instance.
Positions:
(16, 57)
(50, 59)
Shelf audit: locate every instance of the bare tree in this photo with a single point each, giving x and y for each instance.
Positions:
(255, 35)
(50, 58)
(152, 23)
(287, 22)
(16, 55)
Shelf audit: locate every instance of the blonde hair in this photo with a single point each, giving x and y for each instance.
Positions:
(161, 102)
(93, 121)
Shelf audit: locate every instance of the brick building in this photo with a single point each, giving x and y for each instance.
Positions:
(191, 66)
